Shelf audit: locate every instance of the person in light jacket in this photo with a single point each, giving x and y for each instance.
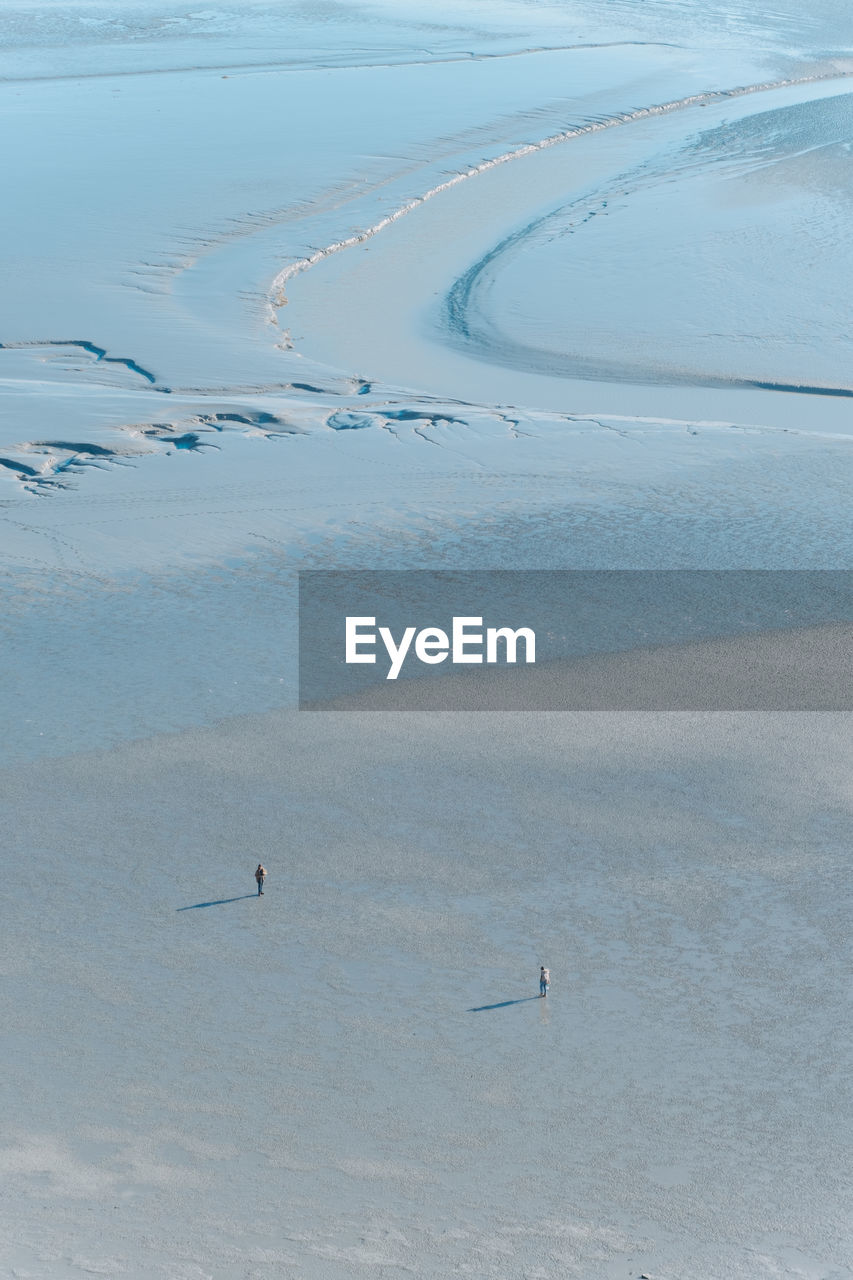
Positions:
(544, 980)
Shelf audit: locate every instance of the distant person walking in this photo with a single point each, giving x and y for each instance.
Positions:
(544, 980)
(260, 876)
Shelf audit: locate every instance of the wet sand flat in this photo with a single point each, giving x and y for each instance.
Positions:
(411, 287)
(356, 1070)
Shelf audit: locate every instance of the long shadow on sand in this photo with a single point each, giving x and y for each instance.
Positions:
(220, 902)
(503, 1004)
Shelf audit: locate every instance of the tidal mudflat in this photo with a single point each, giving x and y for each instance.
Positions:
(398, 286)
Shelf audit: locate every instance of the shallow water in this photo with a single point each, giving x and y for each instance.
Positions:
(202, 1085)
(719, 262)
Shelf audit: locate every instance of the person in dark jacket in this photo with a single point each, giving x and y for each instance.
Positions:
(260, 876)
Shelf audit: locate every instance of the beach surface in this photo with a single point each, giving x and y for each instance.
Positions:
(355, 1075)
(513, 287)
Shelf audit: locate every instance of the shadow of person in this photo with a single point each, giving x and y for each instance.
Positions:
(502, 1004)
(220, 902)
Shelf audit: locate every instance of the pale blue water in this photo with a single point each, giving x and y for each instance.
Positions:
(200, 1093)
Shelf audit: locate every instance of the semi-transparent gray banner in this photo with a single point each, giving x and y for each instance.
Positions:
(779, 640)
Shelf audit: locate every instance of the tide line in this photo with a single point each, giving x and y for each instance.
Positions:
(277, 296)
